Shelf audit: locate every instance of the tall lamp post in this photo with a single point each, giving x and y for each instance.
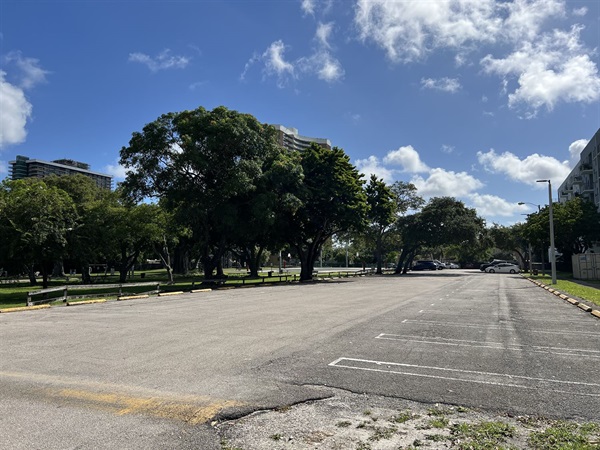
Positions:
(552, 249)
(542, 255)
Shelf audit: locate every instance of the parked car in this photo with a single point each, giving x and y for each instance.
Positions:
(503, 268)
(451, 265)
(425, 265)
(484, 266)
(440, 264)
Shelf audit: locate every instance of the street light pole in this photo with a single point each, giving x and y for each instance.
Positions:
(551, 219)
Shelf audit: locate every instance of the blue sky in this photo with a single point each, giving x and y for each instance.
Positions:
(474, 99)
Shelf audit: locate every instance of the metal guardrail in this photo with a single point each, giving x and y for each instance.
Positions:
(65, 291)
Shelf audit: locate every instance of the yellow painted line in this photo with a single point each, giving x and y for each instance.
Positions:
(24, 308)
(121, 399)
(166, 294)
(192, 412)
(201, 290)
(132, 297)
(86, 302)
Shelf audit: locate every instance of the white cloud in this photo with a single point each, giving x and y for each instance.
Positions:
(528, 170)
(494, 206)
(116, 170)
(408, 31)
(553, 69)
(276, 65)
(575, 149)
(372, 166)
(408, 158)
(321, 63)
(14, 113)
(31, 73)
(164, 60)
(323, 34)
(580, 11)
(447, 148)
(308, 6)
(441, 182)
(445, 84)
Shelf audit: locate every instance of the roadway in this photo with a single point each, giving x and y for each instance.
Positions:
(153, 373)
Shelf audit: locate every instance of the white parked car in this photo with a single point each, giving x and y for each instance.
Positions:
(503, 268)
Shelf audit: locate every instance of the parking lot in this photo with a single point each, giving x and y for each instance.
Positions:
(159, 370)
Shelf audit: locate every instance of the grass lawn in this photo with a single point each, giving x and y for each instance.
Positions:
(566, 284)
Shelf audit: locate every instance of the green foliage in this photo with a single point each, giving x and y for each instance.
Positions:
(331, 201)
(576, 226)
(216, 170)
(36, 219)
(567, 436)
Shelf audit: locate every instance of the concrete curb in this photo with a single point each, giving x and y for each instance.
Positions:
(132, 297)
(24, 308)
(200, 290)
(167, 294)
(86, 302)
(572, 301)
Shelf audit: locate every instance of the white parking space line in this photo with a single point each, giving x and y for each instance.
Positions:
(576, 352)
(470, 376)
(497, 327)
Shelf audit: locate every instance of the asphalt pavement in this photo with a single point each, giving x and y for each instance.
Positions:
(155, 373)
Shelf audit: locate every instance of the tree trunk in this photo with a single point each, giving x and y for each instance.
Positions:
(85, 274)
(401, 259)
(31, 274)
(307, 261)
(378, 254)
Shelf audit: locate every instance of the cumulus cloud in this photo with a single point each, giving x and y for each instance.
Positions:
(441, 182)
(116, 170)
(547, 66)
(164, 60)
(575, 149)
(16, 109)
(408, 158)
(528, 170)
(445, 84)
(372, 166)
(14, 114)
(494, 206)
(555, 68)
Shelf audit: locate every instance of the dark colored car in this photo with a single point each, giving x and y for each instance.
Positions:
(425, 265)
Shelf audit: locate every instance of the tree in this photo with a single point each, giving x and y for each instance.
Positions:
(510, 239)
(381, 214)
(36, 219)
(576, 227)
(443, 221)
(331, 199)
(202, 164)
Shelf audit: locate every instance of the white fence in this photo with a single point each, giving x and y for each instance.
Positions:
(586, 266)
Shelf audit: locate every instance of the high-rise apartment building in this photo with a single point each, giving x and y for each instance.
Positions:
(24, 167)
(290, 139)
(584, 179)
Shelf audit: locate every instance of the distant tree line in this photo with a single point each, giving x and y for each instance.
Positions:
(204, 184)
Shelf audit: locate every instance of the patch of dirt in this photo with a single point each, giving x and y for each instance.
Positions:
(352, 421)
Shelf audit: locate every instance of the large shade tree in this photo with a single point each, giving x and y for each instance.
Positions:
(201, 163)
(35, 222)
(331, 201)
